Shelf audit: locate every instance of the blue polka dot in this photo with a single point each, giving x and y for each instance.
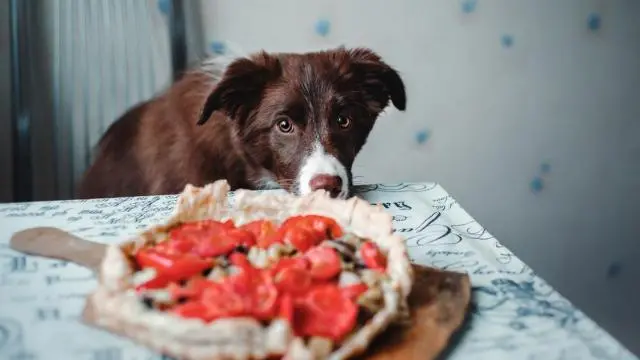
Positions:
(594, 22)
(164, 6)
(615, 268)
(469, 6)
(507, 41)
(218, 47)
(323, 27)
(517, 325)
(545, 168)
(537, 184)
(524, 311)
(423, 136)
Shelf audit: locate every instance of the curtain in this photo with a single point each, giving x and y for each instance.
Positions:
(86, 62)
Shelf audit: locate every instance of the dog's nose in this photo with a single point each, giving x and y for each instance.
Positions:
(330, 183)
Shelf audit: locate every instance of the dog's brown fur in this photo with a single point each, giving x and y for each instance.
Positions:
(207, 127)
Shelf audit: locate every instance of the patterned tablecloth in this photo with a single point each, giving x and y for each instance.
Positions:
(516, 315)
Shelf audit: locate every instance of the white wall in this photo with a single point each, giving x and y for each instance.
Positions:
(561, 94)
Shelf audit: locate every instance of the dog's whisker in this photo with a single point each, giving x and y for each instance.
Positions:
(286, 181)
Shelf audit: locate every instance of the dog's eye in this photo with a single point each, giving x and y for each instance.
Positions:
(285, 125)
(343, 121)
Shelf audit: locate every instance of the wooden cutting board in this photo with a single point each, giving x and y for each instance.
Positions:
(438, 302)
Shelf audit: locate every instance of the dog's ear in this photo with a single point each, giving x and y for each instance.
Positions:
(241, 86)
(378, 78)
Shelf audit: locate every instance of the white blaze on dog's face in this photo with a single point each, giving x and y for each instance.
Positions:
(303, 118)
(321, 170)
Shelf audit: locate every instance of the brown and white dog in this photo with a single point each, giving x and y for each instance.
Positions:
(281, 120)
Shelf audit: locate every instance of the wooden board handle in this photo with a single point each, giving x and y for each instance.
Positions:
(58, 244)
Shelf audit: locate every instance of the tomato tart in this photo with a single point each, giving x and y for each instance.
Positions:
(256, 276)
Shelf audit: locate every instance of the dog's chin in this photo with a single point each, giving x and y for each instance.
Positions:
(297, 190)
(342, 195)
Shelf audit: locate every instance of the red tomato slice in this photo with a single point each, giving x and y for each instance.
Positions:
(200, 228)
(181, 246)
(301, 238)
(243, 237)
(336, 231)
(327, 312)
(257, 291)
(324, 225)
(191, 310)
(254, 227)
(240, 260)
(265, 298)
(196, 230)
(187, 266)
(153, 259)
(290, 262)
(286, 309)
(292, 280)
(229, 224)
(206, 238)
(264, 232)
(194, 288)
(372, 256)
(275, 237)
(254, 286)
(291, 274)
(243, 294)
(291, 221)
(325, 262)
(220, 244)
(354, 291)
(175, 246)
(158, 282)
(170, 267)
(303, 232)
(220, 302)
(240, 283)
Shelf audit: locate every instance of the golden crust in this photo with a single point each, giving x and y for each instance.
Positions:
(113, 305)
